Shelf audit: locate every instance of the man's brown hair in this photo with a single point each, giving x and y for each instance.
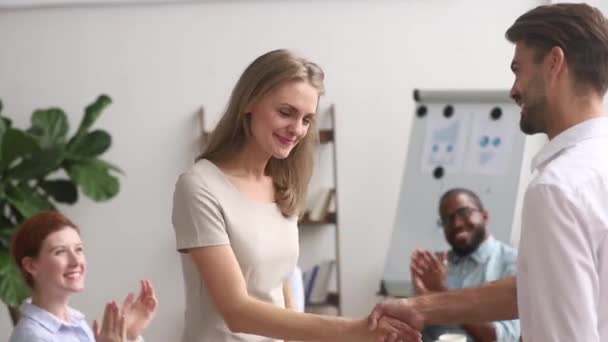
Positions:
(580, 30)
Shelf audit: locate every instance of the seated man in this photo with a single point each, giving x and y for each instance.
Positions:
(475, 258)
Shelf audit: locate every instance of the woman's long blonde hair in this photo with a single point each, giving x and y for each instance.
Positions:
(292, 174)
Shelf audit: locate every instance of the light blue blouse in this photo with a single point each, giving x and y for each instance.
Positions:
(39, 325)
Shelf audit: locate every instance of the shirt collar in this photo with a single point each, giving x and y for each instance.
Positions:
(481, 254)
(587, 129)
(49, 321)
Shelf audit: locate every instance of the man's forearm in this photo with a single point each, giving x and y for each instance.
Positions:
(495, 301)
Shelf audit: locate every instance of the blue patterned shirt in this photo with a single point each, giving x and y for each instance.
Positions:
(493, 260)
(39, 325)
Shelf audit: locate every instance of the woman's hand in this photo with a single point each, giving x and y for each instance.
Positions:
(139, 313)
(388, 329)
(113, 326)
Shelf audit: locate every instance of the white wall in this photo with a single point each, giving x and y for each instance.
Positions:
(160, 63)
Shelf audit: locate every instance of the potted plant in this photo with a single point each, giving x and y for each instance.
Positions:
(41, 167)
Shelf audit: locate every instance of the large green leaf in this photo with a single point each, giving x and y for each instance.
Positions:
(92, 144)
(61, 190)
(26, 200)
(38, 164)
(12, 286)
(71, 159)
(7, 122)
(91, 114)
(109, 165)
(4, 221)
(6, 235)
(7, 230)
(95, 180)
(3, 128)
(93, 111)
(16, 144)
(50, 126)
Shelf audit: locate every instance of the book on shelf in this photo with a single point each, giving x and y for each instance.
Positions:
(317, 282)
(322, 206)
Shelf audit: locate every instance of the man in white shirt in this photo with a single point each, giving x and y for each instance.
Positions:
(561, 290)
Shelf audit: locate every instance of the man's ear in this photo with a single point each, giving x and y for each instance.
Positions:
(485, 215)
(556, 61)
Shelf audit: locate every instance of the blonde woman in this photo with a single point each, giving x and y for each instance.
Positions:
(235, 213)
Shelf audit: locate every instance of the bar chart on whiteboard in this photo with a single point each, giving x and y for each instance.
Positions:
(465, 139)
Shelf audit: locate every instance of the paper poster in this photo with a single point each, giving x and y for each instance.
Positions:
(490, 146)
(444, 144)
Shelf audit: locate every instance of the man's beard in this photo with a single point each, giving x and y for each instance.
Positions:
(536, 107)
(478, 236)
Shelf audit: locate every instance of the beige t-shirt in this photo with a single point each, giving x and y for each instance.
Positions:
(208, 210)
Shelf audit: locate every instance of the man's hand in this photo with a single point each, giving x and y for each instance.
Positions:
(429, 273)
(388, 330)
(401, 310)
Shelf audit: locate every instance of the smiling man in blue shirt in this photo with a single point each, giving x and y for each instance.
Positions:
(475, 258)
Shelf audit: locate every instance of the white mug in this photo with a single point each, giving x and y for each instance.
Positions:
(452, 338)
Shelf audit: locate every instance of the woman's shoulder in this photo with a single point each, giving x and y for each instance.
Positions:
(201, 173)
(28, 330)
(203, 176)
(37, 324)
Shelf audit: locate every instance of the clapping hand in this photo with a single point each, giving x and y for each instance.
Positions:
(140, 312)
(429, 272)
(113, 326)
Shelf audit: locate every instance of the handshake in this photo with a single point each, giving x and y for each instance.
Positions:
(399, 319)
(396, 320)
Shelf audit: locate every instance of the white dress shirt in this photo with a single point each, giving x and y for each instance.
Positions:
(562, 281)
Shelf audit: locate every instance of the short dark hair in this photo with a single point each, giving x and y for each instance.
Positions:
(456, 191)
(580, 30)
(28, 239)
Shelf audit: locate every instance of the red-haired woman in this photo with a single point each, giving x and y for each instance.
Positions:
(50, 254)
